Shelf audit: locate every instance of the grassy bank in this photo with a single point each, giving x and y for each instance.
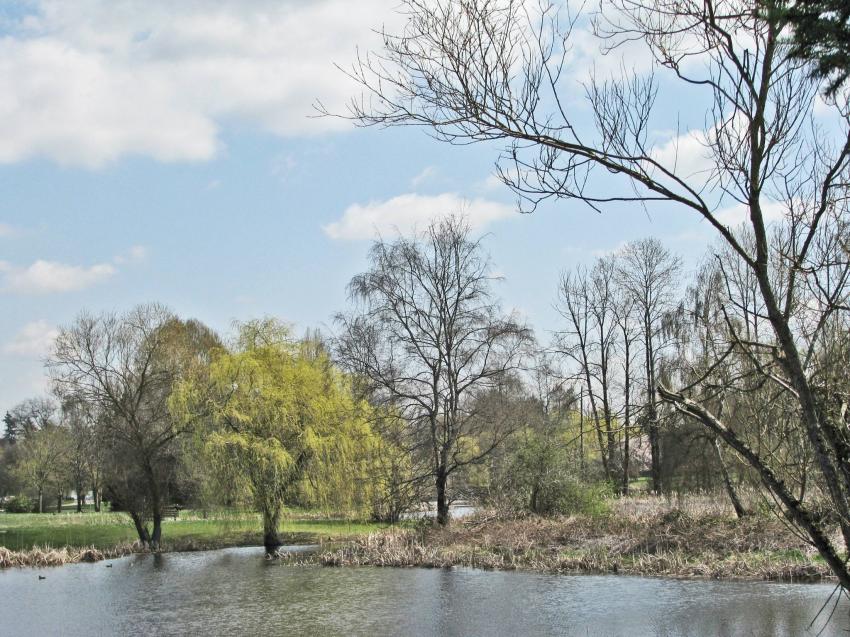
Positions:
(636, 537)
(44, 539)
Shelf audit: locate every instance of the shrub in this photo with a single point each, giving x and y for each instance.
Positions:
(20, 504)
(540, 478)
(585, 498)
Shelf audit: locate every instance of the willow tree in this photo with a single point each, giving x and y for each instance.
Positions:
(428, 337)
(284, 422)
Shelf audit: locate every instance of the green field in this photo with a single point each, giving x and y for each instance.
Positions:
(22, 531)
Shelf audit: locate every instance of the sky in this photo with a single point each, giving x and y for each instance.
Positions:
(170, 152)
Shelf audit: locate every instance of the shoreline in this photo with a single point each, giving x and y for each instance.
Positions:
(47, 557)
(671, 544)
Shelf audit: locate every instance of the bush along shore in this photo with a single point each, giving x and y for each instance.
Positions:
(673, 543)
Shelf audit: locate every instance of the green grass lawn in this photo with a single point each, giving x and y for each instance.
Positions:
(21, 531)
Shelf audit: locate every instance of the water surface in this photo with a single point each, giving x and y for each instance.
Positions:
(237, 592)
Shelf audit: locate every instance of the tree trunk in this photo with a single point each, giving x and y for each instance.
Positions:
(81, 498)
(156, 536)
(141, 529)
(443, 514)
(581, 433)
(58, 503)
(626, 452)
(652, 411)
(627, 418)
(795, 509)
(655, 453)
(271, 523)
(40, 500)
(156, 505)
(727, 481)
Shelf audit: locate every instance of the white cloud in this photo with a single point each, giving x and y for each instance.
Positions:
(407, 212)
(34, 340)
(87, 82)
(136, 254)
(427, 173)
(686, 155)
(43, 277)
(491, 183)
(588, 56)
(282, 166)
(734, 216)
(692, 155)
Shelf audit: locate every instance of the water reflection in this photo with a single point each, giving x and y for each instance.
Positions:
(238, 592)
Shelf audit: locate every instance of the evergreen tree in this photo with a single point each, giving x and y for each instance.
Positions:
(822, 35)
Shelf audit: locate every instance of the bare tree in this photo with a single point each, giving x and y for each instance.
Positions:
(125, 366)
(589, 341)
(628, 326)
(85, 453)
(648, 275)
(473, 70)
(698, 329)
(429, 338)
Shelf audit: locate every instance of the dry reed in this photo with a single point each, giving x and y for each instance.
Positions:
(41, 556)
(637, 538)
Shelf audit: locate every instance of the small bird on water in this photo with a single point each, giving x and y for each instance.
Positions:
(109, 566)
(42, 577)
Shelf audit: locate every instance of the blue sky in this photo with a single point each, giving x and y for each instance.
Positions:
(159, 151)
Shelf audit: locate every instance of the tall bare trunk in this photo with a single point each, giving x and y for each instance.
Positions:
(727, 481)
(81, 498)
(441, 481)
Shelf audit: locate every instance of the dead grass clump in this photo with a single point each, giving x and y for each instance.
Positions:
(691, 542)
(43, 556)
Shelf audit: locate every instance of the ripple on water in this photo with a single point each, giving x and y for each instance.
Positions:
(238, 592)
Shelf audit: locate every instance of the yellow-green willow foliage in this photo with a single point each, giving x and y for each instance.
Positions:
(283, 425)
(339, 474)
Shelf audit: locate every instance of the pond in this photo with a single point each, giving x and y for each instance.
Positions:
(237, 592)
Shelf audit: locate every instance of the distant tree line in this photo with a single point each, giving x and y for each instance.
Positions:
(429, 392)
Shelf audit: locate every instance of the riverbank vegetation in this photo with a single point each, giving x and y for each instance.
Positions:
(431, 393)
(637, 536)
(691, 536)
